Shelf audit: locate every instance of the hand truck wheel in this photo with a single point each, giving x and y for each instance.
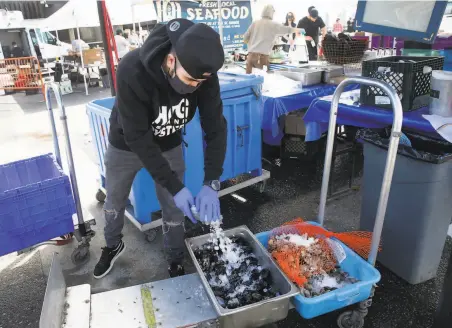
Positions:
(80, 255)
(150, 235)
(350, 319)
(100, 196)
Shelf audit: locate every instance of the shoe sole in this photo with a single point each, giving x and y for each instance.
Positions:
(111, 264)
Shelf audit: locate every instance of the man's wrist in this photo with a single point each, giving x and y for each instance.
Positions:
(214, 184)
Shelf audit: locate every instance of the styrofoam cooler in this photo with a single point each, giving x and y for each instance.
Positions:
(240, 95)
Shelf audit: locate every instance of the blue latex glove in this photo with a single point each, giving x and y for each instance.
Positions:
(208, 204)
(184, 201)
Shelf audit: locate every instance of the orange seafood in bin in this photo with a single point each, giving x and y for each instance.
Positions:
(306, 255)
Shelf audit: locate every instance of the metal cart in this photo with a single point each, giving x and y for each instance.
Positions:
(83, 232)
(355, 318)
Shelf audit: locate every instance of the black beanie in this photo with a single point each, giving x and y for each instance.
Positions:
(198, 47)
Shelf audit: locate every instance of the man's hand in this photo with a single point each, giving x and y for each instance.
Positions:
(208, 204)
(307, 38)
(184, 201)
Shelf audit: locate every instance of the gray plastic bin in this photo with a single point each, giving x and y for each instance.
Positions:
(418, 214)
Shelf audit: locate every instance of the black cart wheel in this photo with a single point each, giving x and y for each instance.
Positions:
(350, 320)
(150, 235)
(100, 196)
(80, 255)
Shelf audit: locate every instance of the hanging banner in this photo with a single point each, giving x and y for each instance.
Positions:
(235, 16)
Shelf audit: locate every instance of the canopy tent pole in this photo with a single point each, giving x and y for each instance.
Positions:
(83, 64)
(59, 50)
(133, 17)
(81, 53)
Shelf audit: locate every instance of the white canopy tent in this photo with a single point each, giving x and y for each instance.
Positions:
(83, 13)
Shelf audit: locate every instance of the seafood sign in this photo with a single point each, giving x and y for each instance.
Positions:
(235, 16)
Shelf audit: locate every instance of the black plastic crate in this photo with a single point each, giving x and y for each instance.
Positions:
(295, 147)
(407, 78)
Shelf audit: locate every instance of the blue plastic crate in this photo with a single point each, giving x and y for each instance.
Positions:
(240, 95)
(36, 203)
(356, 266)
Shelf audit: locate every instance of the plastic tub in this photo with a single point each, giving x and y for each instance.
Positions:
(36, 203)
(356, 266)
(440, 99)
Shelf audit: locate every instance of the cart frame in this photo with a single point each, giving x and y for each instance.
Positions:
(355, 318)
(83, 232)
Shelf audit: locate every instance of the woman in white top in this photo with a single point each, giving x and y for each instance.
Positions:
(121, 44)
(260, 38)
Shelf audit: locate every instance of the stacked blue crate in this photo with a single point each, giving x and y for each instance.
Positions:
(241, 96)
(36, 203)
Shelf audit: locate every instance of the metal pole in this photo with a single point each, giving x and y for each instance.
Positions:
(390, 160)
(70, 159)
(81, 58)
(220, 21)
(56, 145)
(59, 50)
(105, 42)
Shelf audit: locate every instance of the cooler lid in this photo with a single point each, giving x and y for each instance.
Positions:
(231, 81)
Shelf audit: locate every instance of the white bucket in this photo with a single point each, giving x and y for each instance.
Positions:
(441, 93)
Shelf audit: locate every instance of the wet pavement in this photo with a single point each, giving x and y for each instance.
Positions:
(293, 191)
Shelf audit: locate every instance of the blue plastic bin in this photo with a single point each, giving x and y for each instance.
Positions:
(36, 203)
(356, 266)
(240, 95)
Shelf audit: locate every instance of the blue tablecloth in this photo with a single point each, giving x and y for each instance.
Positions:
(350, 113)
(274, 108)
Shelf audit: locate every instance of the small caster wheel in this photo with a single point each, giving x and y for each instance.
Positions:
(150, 235)
(262, 186)
(100, 196)
(67, 236)
(350, 320)
(80, 255)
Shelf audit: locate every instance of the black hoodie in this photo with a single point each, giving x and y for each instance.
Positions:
(148, 114)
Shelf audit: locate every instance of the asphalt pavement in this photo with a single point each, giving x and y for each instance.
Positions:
(293, 191)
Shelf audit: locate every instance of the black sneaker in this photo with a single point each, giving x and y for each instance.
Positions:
(107, 259)
(176, 270)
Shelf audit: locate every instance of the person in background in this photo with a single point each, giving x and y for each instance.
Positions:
(350, 24)
(17, 51)
(121, 44)
(290, 21)
(312, 24)
(134, 39)
(260, 38)
(78, 45)
(337, 27)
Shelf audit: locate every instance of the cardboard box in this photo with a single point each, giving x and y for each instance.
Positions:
(294, 124)
(93, 56)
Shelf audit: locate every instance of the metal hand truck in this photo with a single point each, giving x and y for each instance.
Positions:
(83, 232)
(355, 318)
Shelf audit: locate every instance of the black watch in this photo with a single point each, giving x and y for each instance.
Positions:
(214, 184)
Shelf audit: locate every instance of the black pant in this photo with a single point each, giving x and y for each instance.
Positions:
(312, 50)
